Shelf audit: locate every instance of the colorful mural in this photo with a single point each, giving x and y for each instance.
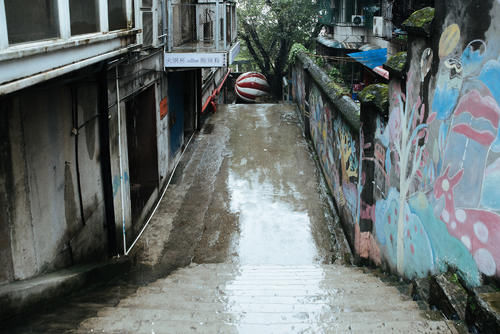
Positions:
(337, 150)
(430, 172)
(443, 212)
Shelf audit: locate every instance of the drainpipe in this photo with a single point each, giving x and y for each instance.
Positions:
(122, 195)
(74, 131)
(212, 98)
(217, 25)
(164, 22)
(170, 32)
(106, 161)
(224, 6)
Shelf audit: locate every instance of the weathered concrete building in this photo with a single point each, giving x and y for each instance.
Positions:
(97, 101)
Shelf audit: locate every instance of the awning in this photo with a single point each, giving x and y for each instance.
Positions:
(334, 44)
(373, 59)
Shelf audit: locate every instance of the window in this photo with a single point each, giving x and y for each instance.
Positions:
(32, 22)
(208, 30)
(84, 16)
(117, 14)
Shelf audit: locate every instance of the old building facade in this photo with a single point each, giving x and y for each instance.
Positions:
(97, 102)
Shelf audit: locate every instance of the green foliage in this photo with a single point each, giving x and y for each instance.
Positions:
(340, 89)
(294, 51)
(269, 28)
(420, 18)
(398, 61)
(454, 278)
(336, 75)
(378, 94)
(320, 61)
(420, 21)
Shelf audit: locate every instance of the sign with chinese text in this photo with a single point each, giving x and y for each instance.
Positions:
(196, 59)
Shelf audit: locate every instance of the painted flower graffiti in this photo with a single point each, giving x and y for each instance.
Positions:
(426, 195)
(448, 167)
(337, 150)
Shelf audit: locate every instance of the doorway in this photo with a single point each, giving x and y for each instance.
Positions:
(142, 149)
(183, 92)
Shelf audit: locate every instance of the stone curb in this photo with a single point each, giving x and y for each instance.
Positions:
(21, 297)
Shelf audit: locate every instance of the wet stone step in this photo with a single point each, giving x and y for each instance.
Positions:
(271, 191)
(182, 327)
(261, 317)
(338, 307)
(362, 290)
(275, 282)
(164, 300)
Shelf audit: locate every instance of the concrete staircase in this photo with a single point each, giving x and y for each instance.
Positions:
(225, 298)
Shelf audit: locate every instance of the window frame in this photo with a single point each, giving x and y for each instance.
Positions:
(4, 37)
(64, 26)
(98, 20)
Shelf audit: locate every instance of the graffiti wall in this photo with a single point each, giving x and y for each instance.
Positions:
(437, 171)
(335, 142)
(420, 193)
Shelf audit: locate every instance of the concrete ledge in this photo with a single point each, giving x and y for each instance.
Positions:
(376, 95)
(397, 64)
(420, 22)
(449, 296)
(23, 296)
(344, 104)
(483, 309)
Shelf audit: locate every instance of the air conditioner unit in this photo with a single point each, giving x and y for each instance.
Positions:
(358, 20)
(381, 27)
(378, 26)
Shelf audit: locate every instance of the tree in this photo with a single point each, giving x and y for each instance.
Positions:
(269, 28)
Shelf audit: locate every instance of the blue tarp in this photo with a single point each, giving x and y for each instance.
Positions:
(371, 58)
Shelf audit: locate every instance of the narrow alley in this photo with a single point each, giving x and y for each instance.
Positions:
(244, 241)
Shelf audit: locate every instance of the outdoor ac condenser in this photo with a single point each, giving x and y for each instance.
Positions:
(358, 20)
(382, 27)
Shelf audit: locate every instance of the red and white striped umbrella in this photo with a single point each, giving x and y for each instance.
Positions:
(251, 85)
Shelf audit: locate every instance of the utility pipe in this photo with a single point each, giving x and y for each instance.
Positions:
(216, 92)
(170, 24)
(217, 25)
(161, 197)
(122, 196)
(224, 6)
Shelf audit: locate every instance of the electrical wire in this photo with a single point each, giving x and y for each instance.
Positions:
(127, 251)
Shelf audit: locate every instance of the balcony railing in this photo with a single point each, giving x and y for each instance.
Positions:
(202, 27)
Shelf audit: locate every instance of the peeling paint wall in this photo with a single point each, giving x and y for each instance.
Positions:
(6, 274)
(49, 226)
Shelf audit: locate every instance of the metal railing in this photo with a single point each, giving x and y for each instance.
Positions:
(201, 27)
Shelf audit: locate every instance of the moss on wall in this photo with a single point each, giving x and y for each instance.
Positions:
(397, 62)
(420, 21)
(377, 94)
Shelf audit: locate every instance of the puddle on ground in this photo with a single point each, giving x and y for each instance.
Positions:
(273, 231)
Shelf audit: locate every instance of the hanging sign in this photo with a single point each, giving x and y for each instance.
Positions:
(218, 59)
(233, 53)
(163, 108)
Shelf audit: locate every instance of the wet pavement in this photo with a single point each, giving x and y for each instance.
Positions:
(242, 243)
